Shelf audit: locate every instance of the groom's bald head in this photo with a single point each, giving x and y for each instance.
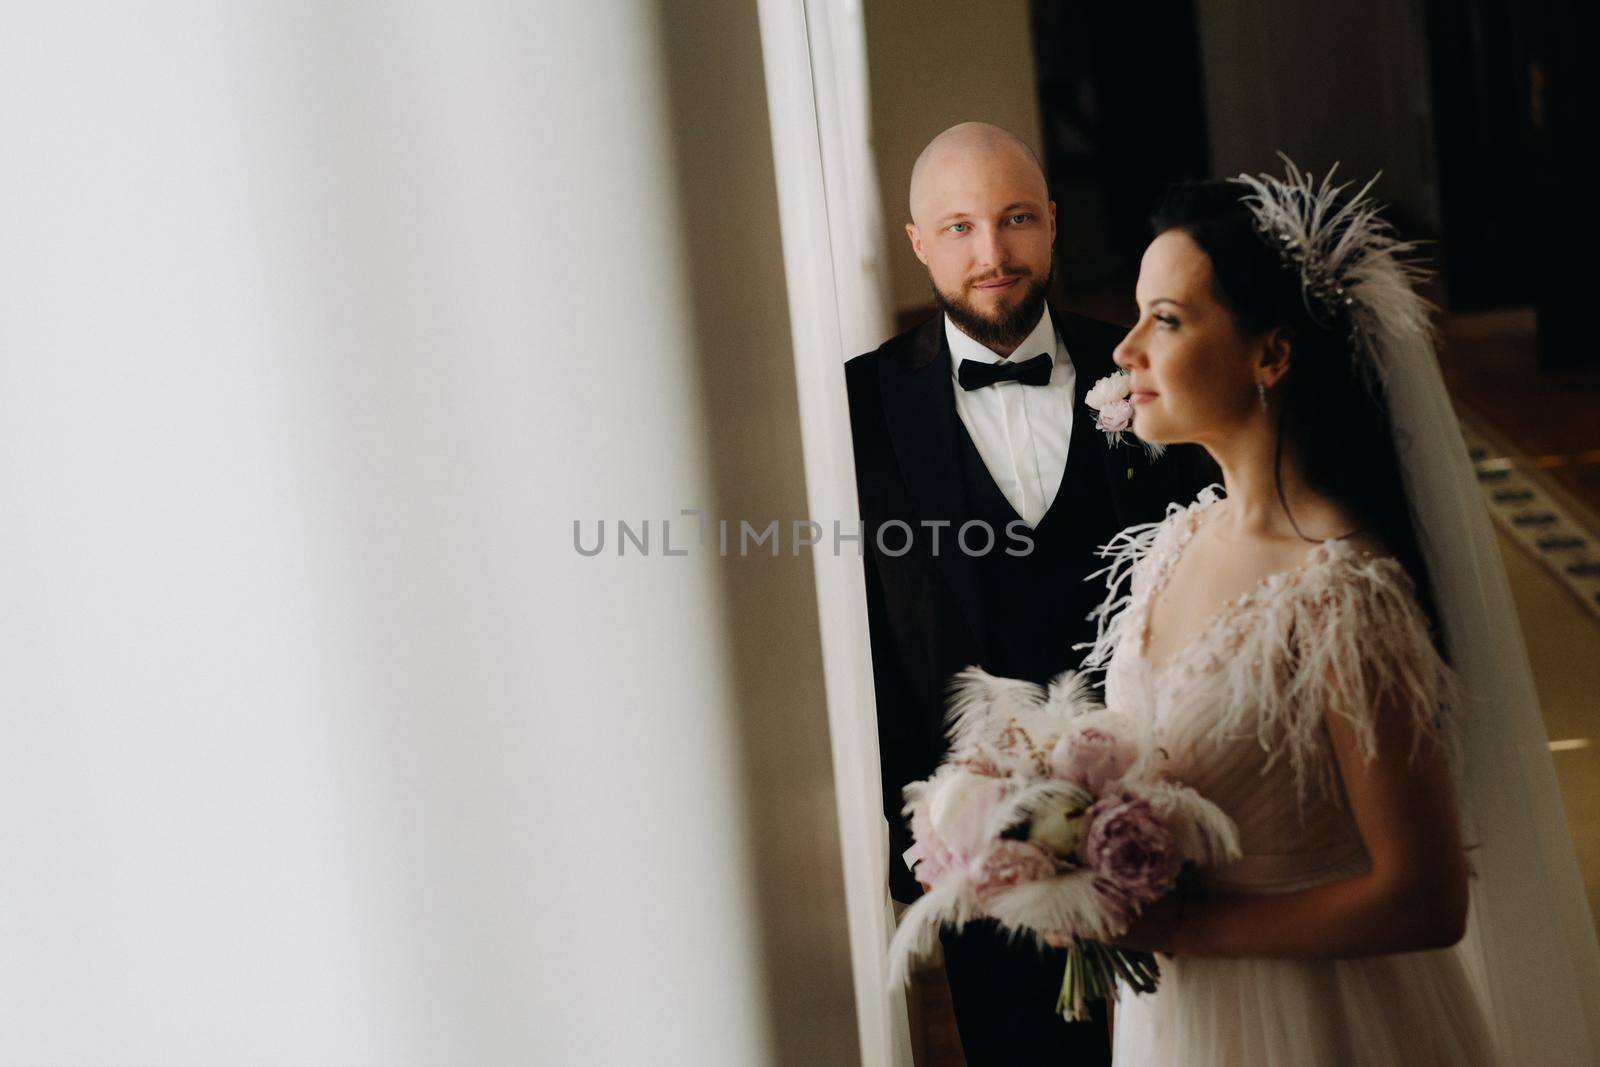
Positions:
(968, 148)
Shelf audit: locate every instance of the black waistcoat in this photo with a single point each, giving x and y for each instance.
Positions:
(1035, 606)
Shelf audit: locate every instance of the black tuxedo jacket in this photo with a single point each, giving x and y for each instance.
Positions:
(929, 613)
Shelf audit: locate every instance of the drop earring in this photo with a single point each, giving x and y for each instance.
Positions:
(1261, 394)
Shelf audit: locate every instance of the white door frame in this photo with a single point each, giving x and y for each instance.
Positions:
(814, 55)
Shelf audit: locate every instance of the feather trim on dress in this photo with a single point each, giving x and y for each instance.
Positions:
(1126, 580)
(1341, 634)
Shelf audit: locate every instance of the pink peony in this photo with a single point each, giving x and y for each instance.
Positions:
(1092, 757)
(933, 859)
(1013, 863)
(1115, 417)
(959, 807)
(1130, 845)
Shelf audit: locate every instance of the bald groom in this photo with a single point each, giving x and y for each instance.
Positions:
(975, 419)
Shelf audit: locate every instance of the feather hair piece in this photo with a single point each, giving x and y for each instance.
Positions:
(1353, 267)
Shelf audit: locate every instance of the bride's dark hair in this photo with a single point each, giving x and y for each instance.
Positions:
(1336, 422)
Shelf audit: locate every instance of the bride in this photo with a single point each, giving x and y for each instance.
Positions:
(1316, 650)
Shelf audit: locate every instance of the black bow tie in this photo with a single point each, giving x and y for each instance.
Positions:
(975, 374)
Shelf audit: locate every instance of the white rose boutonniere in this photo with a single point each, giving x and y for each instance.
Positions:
(1108, 398)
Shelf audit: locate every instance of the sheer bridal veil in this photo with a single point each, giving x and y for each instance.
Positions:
(1530, 942)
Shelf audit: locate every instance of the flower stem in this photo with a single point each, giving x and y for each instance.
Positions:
(1091, 974)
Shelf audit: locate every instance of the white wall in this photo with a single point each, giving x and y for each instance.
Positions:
(322, 744)
(935, 63)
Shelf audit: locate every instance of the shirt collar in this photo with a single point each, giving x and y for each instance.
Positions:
(1042, 338)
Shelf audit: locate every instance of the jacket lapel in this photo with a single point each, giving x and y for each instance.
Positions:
(1124, 464)
(920, 409)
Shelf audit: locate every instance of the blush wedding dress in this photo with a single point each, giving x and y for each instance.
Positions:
(1237, 712)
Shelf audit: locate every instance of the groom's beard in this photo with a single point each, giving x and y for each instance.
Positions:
(1007, 326)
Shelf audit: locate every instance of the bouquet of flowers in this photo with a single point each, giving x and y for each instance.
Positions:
(1046, 816)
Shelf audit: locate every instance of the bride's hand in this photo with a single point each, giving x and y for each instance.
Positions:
(1156, 929)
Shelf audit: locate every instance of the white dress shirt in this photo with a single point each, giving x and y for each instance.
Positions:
(1021, 431)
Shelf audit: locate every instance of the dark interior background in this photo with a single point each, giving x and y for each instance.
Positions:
(1477, 110)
